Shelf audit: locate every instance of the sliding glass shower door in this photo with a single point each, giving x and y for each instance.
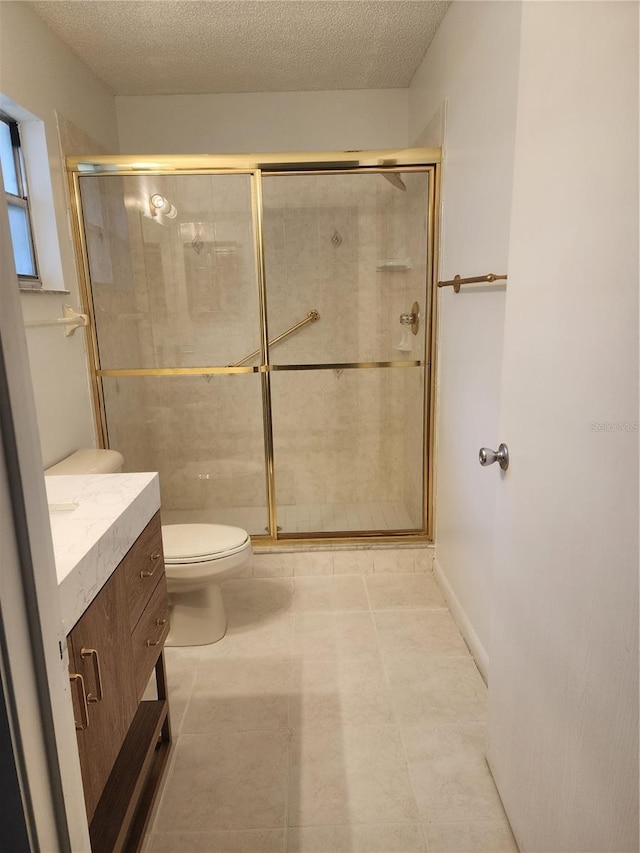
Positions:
(261, 340)
(172, 263)
(348, 389)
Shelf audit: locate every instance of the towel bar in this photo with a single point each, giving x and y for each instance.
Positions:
(71, 320)
(476, 279)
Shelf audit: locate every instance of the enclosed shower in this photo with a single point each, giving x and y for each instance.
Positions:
(262, 334)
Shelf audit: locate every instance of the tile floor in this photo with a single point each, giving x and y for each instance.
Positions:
(340, 714)
(302, 518)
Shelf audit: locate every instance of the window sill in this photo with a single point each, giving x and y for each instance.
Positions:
(42, 290)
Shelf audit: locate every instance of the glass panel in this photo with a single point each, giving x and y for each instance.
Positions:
(9, 177)
(21, 240)
(354, 248)
(348, 448)
(203, 435)
(172, 265)
(174, 285)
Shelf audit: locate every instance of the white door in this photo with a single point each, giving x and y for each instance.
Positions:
(563, 673)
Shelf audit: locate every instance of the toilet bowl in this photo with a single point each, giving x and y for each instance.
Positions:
(198, 558)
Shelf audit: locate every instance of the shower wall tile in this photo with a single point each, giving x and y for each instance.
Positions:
(128, 429)
(274, 239)
(193, 279)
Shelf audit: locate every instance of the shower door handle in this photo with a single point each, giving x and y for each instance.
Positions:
(488, 456)
(412, 319)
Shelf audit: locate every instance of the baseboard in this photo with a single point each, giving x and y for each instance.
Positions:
(462, 621)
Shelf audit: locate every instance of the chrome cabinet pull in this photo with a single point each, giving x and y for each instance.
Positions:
(154, 557)
(84, 710)
(93, 654)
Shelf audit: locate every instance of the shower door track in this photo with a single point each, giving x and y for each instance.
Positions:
(259, 368)
(356, 162)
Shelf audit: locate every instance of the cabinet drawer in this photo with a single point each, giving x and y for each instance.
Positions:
(142, 566)
(149, 635)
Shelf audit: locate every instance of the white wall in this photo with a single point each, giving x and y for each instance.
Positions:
(38, 672)
(263, 122)
(472, 65)
(39, 74)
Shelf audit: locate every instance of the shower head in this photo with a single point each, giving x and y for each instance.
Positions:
(395, 179)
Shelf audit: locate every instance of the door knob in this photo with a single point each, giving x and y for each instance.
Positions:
(501, 456)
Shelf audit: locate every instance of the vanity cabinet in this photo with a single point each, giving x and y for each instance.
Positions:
(99, 651)
(122, 740)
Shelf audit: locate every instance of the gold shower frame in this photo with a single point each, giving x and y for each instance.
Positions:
(426, 160)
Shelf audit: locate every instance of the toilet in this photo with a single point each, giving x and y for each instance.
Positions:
(197, 559)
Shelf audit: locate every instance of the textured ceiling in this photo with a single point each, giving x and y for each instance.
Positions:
(189, 47)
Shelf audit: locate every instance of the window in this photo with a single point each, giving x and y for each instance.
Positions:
(15, 189)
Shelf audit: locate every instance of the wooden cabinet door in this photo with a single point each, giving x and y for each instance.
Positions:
(104, 629)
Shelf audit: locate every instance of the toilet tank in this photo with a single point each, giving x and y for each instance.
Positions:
(89, 461)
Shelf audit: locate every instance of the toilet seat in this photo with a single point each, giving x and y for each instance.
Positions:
(195, 554)
(201, 543)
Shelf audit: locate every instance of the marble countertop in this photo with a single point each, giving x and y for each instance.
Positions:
(95, 519)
